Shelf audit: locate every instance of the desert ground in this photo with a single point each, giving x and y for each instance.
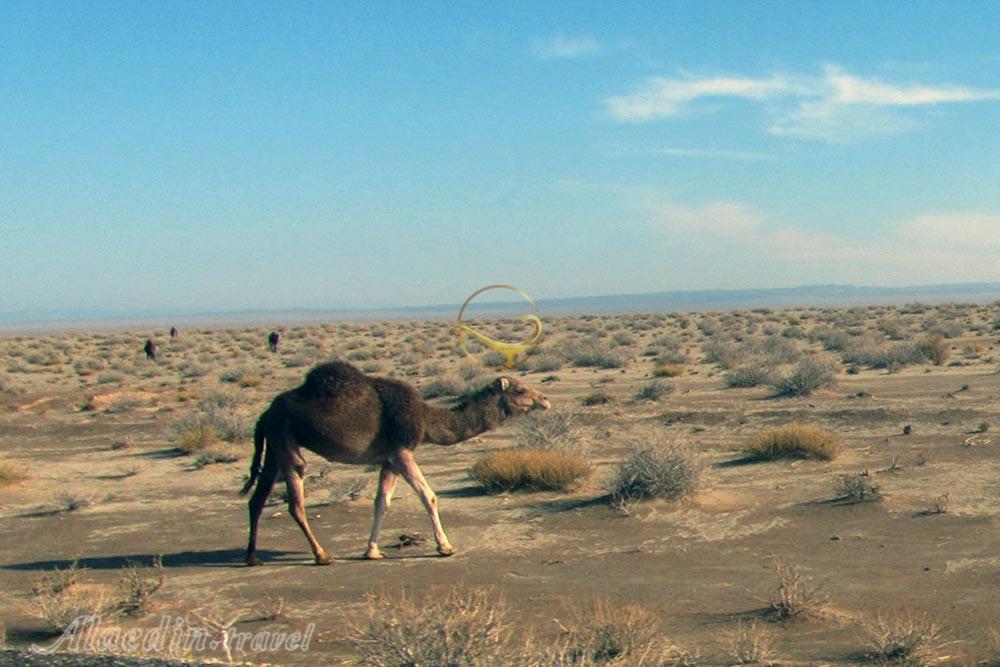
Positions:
(111, 464)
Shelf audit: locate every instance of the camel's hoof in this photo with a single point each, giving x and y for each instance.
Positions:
(252, 560)
(373, 554)
(446, 551)
(323, 560)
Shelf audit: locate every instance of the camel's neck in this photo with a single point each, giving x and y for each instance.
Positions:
(445, 426)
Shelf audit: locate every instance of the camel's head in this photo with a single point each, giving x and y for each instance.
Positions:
(520, 399)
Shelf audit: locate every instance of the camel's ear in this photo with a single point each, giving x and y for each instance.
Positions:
(503, 383)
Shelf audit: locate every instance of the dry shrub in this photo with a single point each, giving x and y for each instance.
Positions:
(218, 416)
(59, 598)
(668, 370)
(550, 430)
(608, 632)
(857, 488)
(934, 348)
(902, 638)
(748, 643)
(11, 473)
(197, 437)
(655, 469)
(596, 397)
(794, 441)
(654, 391)
(217, 453)
(796, 595)
(749, 375)
(465, 628)
(530, 470)
(808, 376)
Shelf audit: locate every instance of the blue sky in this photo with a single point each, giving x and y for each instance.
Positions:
(191, 156)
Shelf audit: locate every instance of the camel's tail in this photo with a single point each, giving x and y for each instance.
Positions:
(258, 455)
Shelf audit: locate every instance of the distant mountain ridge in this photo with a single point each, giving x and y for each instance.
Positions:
(685, 300)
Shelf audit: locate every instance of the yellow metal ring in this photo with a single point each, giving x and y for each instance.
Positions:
(508, 350)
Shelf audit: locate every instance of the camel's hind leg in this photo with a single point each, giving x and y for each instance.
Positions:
(264, 485)
(296, 507)
(386, 485)
(411, 473)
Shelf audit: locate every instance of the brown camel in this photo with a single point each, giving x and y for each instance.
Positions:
(349, 417)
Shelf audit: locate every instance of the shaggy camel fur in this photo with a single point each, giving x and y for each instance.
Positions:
(349, 417)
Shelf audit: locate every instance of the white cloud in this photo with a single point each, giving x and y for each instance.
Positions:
(662, 98)
(720, 218)
(830, 121)
(931, 248)
(565, 47)
(832, 106)
(847, 89)
(714, 153)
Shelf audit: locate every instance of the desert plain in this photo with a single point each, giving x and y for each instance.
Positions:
(119, 469)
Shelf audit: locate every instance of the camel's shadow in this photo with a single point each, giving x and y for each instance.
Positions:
(216, 558)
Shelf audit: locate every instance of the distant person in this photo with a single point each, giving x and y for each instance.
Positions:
(174, 333)
(272, 341)
(150, 349)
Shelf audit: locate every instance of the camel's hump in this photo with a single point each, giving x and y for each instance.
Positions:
(331, 376)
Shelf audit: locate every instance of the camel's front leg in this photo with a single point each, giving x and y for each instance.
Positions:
(386, 485)
(411, 473)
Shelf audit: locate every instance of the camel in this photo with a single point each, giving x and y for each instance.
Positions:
(272, 341)
(348, 417)
(150, 349)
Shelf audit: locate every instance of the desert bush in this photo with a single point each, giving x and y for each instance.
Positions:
(596, 397)
(668, 370)
(593, 353)
(529, 470)
(550, 430)
(833, 340)
(88, 366)
(110, 377)
(874, 353)
(215, 453)
(609, 633)
(59, 598)
(793, 441)
(857, 488)
(748, 643)
(654, 391)
(934, 348)
(544, 362)
(779, 351)
(237, 374)
(655, 469)
(466, 628)
(217, 416)
(724, 352)
(808, 376)
(11, 473)
(749, 375)
(902, 638)
(446, 385)
(796, 595)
